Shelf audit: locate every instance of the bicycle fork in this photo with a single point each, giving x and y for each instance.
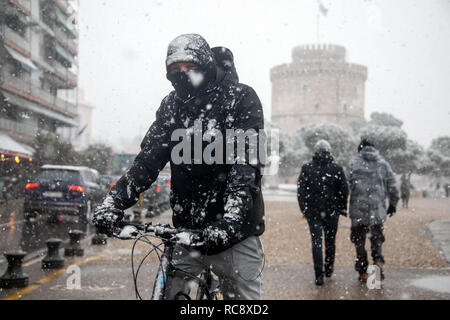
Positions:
(160, 285)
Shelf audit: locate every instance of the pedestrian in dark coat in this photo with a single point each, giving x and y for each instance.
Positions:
(222, 198)
(405, 189)
(322, 195)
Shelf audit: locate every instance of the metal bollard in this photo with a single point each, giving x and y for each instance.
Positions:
(137, 216)
(53, 260)
(14, 276)
(74, 248)
(99, 238)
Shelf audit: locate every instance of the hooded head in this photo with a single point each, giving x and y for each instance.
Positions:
(225, 61)
(193, 49)
(322, 146)
(365, 143)
(322, 152)
(369, 153)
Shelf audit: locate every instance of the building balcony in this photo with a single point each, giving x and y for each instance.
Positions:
(58, 74)
(65, 74)
(18, 127)
(65, 7)
(22, 5)
(67, 42)
(65, 20)
(15, 40)
(35, 94)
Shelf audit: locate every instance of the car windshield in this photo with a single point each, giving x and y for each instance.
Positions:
(59, 175)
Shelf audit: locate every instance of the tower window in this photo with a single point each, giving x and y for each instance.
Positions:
(317, 107)
(345, 107)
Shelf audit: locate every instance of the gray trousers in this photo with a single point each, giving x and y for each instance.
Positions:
(238, 268)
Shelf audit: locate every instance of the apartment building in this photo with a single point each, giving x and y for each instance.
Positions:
(38, 73)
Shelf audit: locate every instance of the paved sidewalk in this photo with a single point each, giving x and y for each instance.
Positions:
(106, 274)
(414, 269)
(440, 231)
(280, 195)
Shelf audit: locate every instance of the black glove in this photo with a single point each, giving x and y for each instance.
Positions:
(391, 210)
(107, 218)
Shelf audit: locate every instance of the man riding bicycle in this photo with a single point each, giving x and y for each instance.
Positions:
(222, 198)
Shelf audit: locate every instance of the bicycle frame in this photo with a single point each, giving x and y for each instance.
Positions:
(160, 285)
(167, 272)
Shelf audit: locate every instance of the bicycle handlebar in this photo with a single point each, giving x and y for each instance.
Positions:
(160, 230)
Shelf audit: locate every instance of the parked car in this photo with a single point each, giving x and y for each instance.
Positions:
(63, 194)
(108, 181)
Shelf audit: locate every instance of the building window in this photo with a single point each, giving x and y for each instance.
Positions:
(317, 107)
(17, 70)
(345, 108)
(53, 91)
(14, 22)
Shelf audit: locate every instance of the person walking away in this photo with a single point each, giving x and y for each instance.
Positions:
(447, 189)
(371, 181)
(405, 190)
(322, 196)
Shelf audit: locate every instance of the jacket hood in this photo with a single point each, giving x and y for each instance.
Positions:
(370, 154)
(225, 62)
(189, 48)
(323, 157)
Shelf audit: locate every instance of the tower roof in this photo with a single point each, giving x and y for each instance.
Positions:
(315, 52)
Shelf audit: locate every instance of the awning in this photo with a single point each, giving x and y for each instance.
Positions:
(13, 99)
(62, 18)
(26, 62)
(65, 54)
(10, 146)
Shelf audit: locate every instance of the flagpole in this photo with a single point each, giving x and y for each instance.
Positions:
(318, 25)
(320, 10)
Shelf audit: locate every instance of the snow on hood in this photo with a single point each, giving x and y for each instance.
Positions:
(370, 154)
(189, 48)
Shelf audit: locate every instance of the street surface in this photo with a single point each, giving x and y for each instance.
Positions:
(416, 266)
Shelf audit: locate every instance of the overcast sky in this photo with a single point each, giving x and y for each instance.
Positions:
(404, 43)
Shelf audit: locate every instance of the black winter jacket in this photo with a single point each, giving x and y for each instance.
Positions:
(322, 187)
(224, 198)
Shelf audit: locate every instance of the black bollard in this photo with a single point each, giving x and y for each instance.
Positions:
(14, 276)
(99, 238)
(137, 216)
(74, 248)
(53, 260)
